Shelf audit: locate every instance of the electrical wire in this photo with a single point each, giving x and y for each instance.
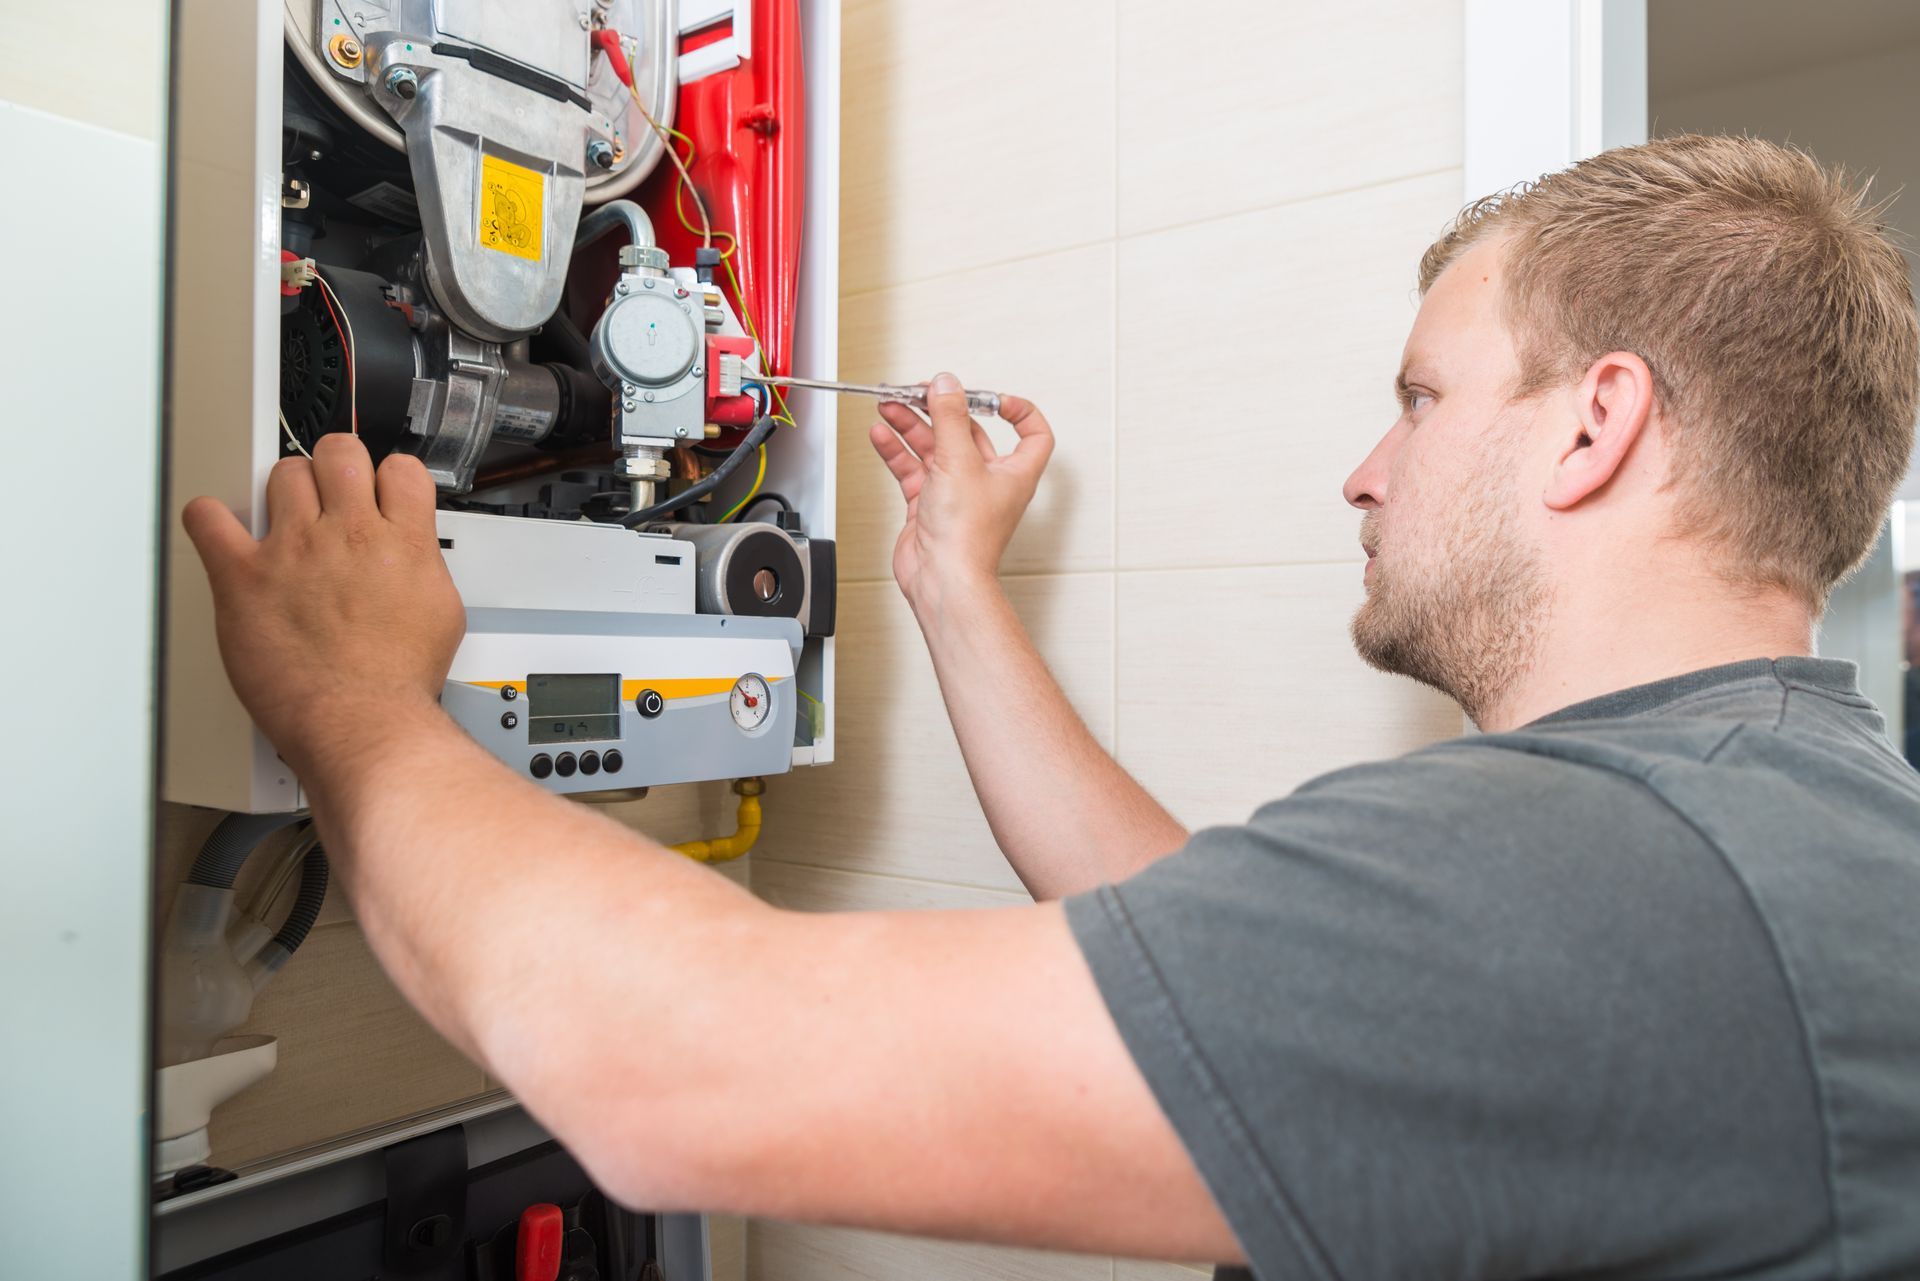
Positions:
(291, 438)
(673, 154)
(764, 424)
(758, 481)
(766, 496)
(346, 337)
(706, 230)
(756, 437)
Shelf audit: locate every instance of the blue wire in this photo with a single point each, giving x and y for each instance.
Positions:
(766, 398)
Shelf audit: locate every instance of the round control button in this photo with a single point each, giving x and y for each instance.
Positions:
(540, 766)
(509, 693)
(612, 762)
(508, 720)
(590, 763)
(649, 703)
(566, 765)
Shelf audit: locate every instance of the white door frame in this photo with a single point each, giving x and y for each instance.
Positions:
(1549, 82)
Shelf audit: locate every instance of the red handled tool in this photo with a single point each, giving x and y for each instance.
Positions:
(537, 1250)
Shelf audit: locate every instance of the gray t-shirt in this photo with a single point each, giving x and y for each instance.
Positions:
(1633, 991)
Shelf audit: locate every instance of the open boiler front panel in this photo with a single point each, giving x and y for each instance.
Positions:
(545, 246)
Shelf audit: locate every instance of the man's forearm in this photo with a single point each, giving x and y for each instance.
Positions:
(1066, 815)
(697, 1049)
(535, 933)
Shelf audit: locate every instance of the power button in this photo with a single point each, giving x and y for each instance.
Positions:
(649, 703)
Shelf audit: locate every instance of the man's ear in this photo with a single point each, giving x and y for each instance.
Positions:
(1611, 407)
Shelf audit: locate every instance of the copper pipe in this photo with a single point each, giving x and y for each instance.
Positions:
(598, 454)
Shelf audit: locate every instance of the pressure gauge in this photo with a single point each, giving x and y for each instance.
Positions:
(750, 702)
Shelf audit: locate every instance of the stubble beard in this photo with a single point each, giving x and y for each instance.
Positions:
(1468, 621)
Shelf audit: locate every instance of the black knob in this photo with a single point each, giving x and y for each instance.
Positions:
(649, 703)
(590, 763)
(508, 720)
(509, 693)
(566, 765)
(612, 762)
(540, 766)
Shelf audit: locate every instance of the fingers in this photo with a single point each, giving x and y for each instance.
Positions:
(953, 439)
(406, 492)
(343, 472)
(1036, 434)
(893, 451)
(911, 426)
(292, 498)
(919, 436)
(217, 535)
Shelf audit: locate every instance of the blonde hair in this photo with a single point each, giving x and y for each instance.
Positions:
(1764, 292)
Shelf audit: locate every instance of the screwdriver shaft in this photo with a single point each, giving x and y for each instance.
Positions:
(978, 402)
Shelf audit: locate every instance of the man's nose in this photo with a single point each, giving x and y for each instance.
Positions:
(1366, 489)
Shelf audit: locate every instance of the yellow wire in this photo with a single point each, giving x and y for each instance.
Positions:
(758, 481)
(706, 230)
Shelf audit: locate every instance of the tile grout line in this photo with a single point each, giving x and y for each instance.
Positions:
(1120, 238)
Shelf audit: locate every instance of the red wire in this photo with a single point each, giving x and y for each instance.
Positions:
(346, 352)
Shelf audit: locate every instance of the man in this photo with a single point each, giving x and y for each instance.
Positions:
(1627, 985)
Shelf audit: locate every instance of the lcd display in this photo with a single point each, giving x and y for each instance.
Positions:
(573, 708)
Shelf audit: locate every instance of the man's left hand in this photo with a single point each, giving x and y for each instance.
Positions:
(345, 609)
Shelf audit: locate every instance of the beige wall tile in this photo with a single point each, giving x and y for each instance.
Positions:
(972, 133)
(822, 889)
(727, 1248)
(352, 1055)
(1255, 368)
(1042, 328)
(1236, 686)
(1248, 103)
(897, 800)
(120, 83)
(791, 1252)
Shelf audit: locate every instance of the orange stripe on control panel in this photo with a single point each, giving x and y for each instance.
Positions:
(679, 687)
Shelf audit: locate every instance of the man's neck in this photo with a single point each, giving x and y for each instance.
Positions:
(1597, 643)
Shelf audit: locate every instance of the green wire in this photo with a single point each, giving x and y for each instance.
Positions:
(758, 481)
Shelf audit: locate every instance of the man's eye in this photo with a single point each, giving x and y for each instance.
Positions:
(1418, 400)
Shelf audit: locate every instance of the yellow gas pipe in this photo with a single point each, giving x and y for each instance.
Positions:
(723, 848)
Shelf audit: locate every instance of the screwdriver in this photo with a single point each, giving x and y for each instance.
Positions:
(915, 394)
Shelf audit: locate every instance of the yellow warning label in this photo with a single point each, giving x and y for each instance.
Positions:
(512, 207)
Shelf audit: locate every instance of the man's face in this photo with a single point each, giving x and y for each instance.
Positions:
(1456, 593)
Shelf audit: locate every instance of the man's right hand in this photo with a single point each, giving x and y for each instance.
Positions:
(964, 498)
(1029, 756)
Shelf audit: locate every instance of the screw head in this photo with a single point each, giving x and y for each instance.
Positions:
(628, 389)
(698, 372)
(402, 83)
(630, 405)
(648, 398)
(679, 293)
(679, 431)
(622, 287)
(648, 282)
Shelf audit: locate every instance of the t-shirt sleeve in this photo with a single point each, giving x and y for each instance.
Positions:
(1426, 1019)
